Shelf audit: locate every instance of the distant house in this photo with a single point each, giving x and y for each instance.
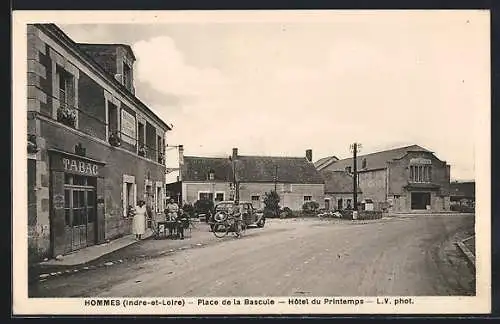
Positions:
(463, 193)
(403, 179)
(295, 178)
(339, 188)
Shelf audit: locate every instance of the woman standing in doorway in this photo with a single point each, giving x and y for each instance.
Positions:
(139, 223)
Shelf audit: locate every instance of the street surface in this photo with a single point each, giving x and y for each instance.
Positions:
(406, 255)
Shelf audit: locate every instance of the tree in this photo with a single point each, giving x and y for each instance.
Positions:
(272, 203)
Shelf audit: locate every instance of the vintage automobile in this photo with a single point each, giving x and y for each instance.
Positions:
(250, 215)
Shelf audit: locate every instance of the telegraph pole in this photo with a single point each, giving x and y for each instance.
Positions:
(355, 149)
(275, 178)
(235, 182)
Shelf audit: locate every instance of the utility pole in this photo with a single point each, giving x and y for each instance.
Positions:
(355, 147)
(235, 181)
(275, 178)
(275, 187)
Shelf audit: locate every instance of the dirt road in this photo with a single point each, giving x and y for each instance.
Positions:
(412, 255)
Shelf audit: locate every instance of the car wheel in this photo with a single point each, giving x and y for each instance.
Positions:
(261, 223)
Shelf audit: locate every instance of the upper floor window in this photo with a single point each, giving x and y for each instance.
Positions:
(159, 144)
(67, 112)
(127, 76)
(420, 173)
(307, 198)
(211, 175)
(66, 89)
(363, 164)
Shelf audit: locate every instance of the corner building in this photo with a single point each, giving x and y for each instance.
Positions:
(94, 149)
(407, 179)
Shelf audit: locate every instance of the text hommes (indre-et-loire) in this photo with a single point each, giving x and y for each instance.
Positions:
(201, 302)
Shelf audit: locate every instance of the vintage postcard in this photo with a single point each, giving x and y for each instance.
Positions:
(256, 162)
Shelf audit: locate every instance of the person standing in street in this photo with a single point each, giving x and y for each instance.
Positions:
(238, 212)
(139, 222)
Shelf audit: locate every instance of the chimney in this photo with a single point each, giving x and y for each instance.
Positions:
(235, 154)
(181, 155)
(181, 161)
(309, 155)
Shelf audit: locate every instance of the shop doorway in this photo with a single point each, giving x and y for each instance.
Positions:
(340, 204)
(79, 212)
(420, 200)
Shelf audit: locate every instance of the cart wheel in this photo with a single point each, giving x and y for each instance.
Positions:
(220, 229)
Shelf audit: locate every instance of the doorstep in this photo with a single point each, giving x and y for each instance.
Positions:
(94, 252)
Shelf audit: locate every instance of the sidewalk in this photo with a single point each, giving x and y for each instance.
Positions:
(120, 251)
(94, 252)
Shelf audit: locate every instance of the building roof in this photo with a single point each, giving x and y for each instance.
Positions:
(374, 161)
(326, 160)
(289, 170)
(338, 182)
(197, 168)
(54, 31)
(465, 189)
(96, 47)
(252, 169)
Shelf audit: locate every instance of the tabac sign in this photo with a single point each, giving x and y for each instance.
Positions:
(72, 163)
(78, 166)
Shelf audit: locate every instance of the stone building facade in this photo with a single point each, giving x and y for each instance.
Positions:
(94, 149)
(295, 179)
(401, 180)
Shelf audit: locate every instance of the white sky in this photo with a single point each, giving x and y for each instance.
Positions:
(274, 88)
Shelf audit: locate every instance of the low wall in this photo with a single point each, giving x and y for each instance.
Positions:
(362, 214)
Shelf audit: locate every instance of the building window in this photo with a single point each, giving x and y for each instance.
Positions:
(219, 196)
(348, 169)
(150, 142)
(140, 139)
(66, 112)
(307, 198)
(66, 88)
(363, 164)
(255, 198)
(113, 118)
(159, 140)
(205, 195)
(420, 173)
(127, 76)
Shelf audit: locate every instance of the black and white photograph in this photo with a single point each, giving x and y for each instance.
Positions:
(251, 162)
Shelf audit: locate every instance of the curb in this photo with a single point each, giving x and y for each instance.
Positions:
(46, 276)
(469, 255)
